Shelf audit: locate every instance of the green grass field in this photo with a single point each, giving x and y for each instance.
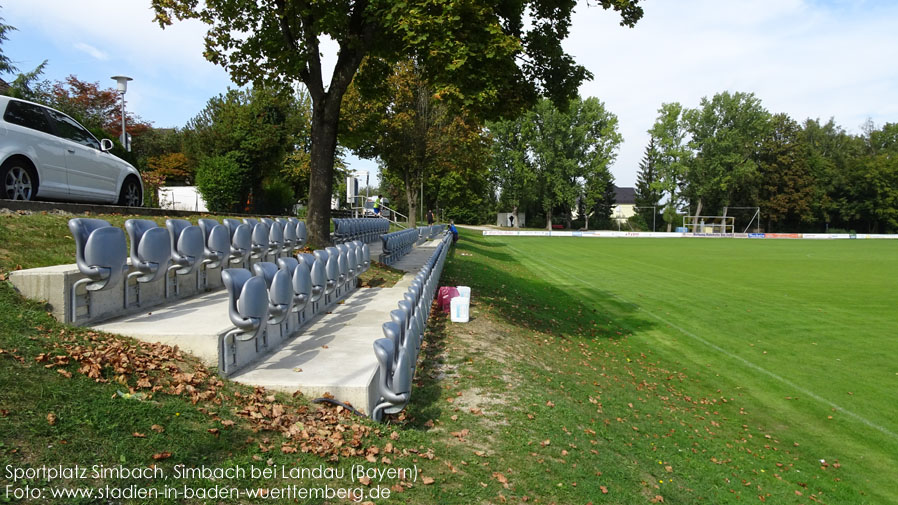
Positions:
(803, 332)
(604, 371)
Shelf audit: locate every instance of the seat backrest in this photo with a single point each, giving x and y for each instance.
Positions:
(275, 233)
(231, 225)
(332, 265)
(260, 238)
(206, 225)
(385, 352)
(100, 250)
(250, 221)
(301, 234)
(247, 296)
(289, 231)
(81, 228)
(400, 317)
(150, 248)
(218, 246)
(266, 271)
(241, 243)
(188, 244)
(343, 259)
(136, 229)
(288, 264)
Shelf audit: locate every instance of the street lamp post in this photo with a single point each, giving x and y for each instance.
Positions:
(122, 88)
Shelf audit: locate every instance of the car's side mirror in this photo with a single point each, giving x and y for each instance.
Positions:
(106, 145)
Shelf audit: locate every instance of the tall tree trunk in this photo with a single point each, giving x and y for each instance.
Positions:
(514, 212)
(412, 196)
(325, 120)
(549, 220)
(698, 212)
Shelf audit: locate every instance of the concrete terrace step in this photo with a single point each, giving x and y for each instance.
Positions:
(334, 351)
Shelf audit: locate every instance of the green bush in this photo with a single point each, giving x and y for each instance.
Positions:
(223, 183)
(279, 197)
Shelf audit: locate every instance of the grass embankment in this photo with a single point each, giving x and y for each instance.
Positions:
(555, 392)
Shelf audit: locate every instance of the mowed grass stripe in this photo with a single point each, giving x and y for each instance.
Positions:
(562, 276)
(863, 426)
(803, 338)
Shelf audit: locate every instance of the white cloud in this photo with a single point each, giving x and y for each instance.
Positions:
(92, 51)
(802, 57)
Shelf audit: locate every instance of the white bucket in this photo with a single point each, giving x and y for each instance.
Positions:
(464, 291)
(459, 309)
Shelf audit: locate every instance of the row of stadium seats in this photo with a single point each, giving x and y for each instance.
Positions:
(431, 232)
(101, 251)
(397, 353)
(365, 229)
(274, 297)
(397, 244)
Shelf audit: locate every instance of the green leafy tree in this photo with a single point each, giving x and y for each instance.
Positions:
(830, 153)
(420, 142)
(572, 151)
(648, 192)
(786, 187)
(673, 158)
(510, 166)
(6, 65)
(249, 128)
(724, 136)
(492, 58)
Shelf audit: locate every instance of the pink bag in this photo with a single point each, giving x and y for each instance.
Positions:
(445, 296)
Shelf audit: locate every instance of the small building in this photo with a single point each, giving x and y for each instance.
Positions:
(624, 205)
(502, 219)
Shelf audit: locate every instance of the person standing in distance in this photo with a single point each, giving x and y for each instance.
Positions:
(377, 206)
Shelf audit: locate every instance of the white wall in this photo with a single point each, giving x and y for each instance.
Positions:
(181, 198)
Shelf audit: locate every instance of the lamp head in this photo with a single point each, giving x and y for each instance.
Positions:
(122, 82)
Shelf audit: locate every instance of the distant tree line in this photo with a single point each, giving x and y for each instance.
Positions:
(551, 163)
(731, 152)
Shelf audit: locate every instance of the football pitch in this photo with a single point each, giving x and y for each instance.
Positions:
(806, 331)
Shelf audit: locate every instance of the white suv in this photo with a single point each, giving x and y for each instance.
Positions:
(46, 154)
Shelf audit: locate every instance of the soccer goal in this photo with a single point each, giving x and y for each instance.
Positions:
(736, 220)
(724, 225)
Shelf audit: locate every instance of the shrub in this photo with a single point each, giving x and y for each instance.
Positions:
(223, 183)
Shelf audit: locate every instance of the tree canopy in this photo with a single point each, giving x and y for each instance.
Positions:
(492, 58)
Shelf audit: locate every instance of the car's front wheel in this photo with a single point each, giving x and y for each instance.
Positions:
(19, 182)
(130, 195)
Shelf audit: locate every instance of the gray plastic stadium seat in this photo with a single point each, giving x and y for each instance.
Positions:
(218, 246)
(260, 235)
(247, 302)
(275, 237)
(289, 228)
(100, 253)
(280, 290)
(150, 252)
(395, 376)
(343, 263)
(331, 269)
(301, 277)
(188, 248)
(301, 234)
(241, 241)
(318, 275)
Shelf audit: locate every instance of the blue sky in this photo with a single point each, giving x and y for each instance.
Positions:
(806, 58)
